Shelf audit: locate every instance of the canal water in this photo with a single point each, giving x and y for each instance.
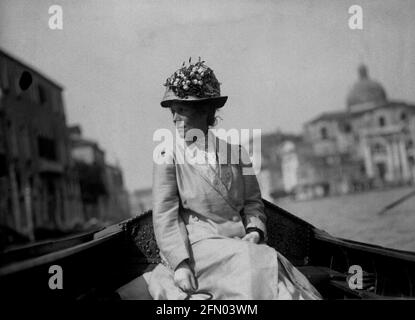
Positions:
(356, 217)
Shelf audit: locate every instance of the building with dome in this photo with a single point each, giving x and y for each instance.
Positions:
(369, 144)
(365, 93)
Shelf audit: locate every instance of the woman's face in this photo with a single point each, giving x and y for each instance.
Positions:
(185, 117)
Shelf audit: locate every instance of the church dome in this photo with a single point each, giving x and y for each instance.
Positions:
(365, 91)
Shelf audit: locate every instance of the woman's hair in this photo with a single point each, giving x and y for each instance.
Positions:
(206, 108)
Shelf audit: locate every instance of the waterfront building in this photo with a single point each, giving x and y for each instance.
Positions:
(38, 185)
(270, 177)
(117, 206)
(103, 194)
(141, 201)
(369, 144)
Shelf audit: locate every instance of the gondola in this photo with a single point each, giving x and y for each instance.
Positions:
(107, 263)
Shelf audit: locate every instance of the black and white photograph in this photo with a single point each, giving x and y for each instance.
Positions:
(207, 150)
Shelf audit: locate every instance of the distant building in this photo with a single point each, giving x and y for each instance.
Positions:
(38, 185)
(374, 131)
(118, 202)
(369, 144)
(270, 177)
(141, 201)
(104, 197)
(309, 175)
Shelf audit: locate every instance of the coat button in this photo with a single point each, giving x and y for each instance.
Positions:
(236, 218)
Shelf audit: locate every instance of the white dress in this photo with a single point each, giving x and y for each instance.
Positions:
(234, 269)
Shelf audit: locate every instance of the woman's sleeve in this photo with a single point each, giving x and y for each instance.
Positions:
(254, 210)
(169, 228)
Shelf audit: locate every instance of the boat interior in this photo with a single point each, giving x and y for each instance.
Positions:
(108, 264)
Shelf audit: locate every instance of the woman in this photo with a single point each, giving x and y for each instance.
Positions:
(208, 216)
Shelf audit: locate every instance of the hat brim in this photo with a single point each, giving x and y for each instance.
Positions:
(217, 102)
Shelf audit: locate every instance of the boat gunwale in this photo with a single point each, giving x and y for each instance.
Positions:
(32, 246)
(322, 235)
(116, 230)
(371, 248)
(55, 255)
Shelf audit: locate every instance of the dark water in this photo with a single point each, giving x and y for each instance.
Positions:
(356, 217)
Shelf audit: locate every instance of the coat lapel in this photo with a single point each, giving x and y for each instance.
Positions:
(213, 178)
(224, 172)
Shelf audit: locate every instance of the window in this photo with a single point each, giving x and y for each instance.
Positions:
(3, 165)
(381, 121)
(24, 142)
(25, 80)
(362, 168)
(403, 116)
(323, 132)
(42, 94)
(379, 148)
(347, 128)
(56, 101)
(47, 148)
(17, 88)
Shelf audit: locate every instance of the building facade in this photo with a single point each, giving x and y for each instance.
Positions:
(117, 206)
(38, 185)
(369, 144)
(51, 178)
(103, 194)
(270, 177)
(141, 201)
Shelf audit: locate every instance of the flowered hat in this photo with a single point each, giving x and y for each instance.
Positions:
(193, 82)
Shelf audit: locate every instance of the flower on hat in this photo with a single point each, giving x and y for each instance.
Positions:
(194, 80)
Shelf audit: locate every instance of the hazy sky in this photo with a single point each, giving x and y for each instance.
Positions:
(280, 62)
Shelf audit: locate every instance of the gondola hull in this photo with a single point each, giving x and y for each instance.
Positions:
(96, 265)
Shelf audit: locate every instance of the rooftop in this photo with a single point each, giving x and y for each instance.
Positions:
(31, 69)
(330, 116)
(365, 90)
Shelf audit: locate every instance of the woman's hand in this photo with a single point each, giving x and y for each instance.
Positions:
(252, 237)
(184, 277)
